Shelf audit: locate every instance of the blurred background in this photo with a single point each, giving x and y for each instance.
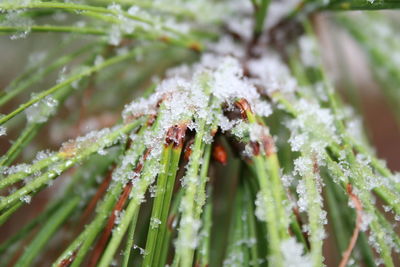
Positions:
(369, 84)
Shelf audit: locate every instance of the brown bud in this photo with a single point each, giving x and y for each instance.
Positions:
(219, 154)
(147, 153)
(195, 47)
(68, 149)
(170, 222)
(349, 189)
(188, 152)
(165, 39)
(268, 145)
(256, 148)
(151, 120)
(175, 135)
(244, 106)
(214, 132)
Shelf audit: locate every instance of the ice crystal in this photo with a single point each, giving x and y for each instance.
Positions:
(119, 215)
(225, 124)
(278, 10)
(308, 51)
(76, 146)
(260, 207)
(136, 18)
(141, 250)
(41, 155)
(22, 23)
(154, 222)
(102, 152)
(241, 27)
(134, 10)
(62, 75)
(3, 130)
(17, 168)
(354, 128)
(125, 171)
(186, 92)
(189, 241)
(287, 180)
(234, 259)
(26, 199)
(272, 74)
(293, 254)
(98, 60)
(302, 166)
(114, 36)
(153, 190)
(366, 220)
(313, 130)
(42, 110)
(257, 132)
(226, 46)
(229, 84)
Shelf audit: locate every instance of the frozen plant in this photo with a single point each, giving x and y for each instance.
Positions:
(194, 133)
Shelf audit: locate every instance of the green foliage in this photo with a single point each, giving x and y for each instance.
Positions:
(236, 149)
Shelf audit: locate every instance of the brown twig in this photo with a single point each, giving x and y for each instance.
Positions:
(170, 222)
(118, 207)
(98, 250)
(353, 240)
(67, 261)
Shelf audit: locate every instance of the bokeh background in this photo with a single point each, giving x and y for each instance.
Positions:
(350, 69)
